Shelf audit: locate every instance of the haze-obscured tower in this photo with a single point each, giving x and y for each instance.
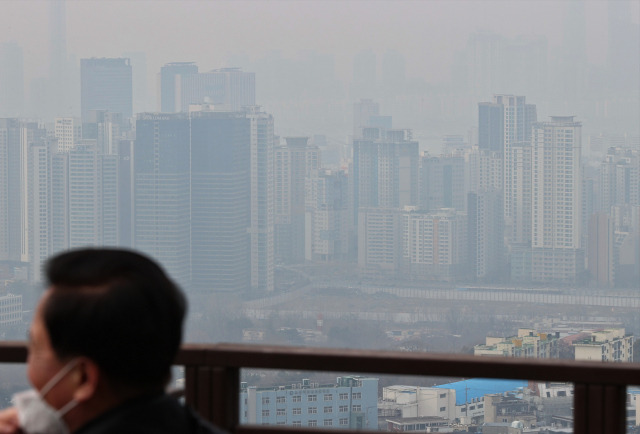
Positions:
(11, 80)
(220, 201)
(294, 163)
(106, 84)
(161, 191)
(170, 76)
(262, 200)
(227, 89)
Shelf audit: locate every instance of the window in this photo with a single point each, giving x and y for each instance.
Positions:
(297, 410)
(344, 421)
(443, 395)
(281, 399)
(328, 422)
(343, 396)
(343, 408)
(281, 412)
(312, 410)
(328, 397)
(357, 395)
(312, 398)
(296, 398)
(443, 408)
(265, 401)
(328, 409)
(313, 422)
(357, 407)
(265, 413)
(296, 423)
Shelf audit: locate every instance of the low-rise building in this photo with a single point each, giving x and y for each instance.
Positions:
(529, 343)
(350, 402)
(608, 345)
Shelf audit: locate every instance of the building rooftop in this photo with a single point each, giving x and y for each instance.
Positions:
(478, 387)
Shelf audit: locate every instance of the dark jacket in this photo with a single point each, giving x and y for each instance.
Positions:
(158, 414)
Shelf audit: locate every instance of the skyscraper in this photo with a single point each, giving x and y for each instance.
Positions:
(161, 192)
(227, 88)
(556, 241)
(262, 199)
(220, 201)
(106, 84)
(15, 138)
(442, 182)
(385, 169)
(11, 80)
(502, 125)
(169, 77)
(294, 163)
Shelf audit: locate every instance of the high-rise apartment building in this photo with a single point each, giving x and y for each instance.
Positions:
(620, 178)
(15, 139)
(385, 169)
(295, 161)
(501, 124)
(106, 84)
(326, 223)
(68, 131)
(38, 208)
(262, 199)
(556, 184)
(485, 234)
(442, 182)
(380, 240)
(92, 199)
(434, 244)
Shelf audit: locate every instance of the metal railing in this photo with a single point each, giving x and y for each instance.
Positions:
(212, 377)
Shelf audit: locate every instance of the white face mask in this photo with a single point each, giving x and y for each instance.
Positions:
(35, 415)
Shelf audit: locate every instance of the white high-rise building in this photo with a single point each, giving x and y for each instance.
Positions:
(262, 200)
(556, 200)
(68, 131)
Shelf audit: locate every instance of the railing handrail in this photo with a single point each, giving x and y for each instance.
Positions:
(385, 362)
(407, 363)
(212, 375)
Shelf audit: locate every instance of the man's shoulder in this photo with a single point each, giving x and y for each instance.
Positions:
(158, 415)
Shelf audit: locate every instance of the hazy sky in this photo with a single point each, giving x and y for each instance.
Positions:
(426, 32)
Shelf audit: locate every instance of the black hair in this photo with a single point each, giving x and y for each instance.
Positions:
(118, 308)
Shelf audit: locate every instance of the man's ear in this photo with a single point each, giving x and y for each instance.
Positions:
(87, 376)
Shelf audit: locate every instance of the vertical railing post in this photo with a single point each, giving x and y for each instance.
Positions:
(599, 409)
(226, 397)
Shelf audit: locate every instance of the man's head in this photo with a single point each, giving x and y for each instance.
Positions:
(117, 309)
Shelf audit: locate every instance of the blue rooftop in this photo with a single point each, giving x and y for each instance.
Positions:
(478, 387)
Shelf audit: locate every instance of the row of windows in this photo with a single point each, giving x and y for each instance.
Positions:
(313, 398)
(313, 410)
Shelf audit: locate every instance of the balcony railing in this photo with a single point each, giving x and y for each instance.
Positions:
(212, 377)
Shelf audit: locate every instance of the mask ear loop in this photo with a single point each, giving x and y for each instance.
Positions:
(56, 378)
